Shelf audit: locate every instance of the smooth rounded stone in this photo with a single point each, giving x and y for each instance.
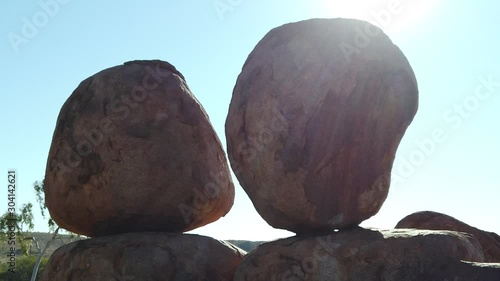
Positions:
(368, 255)
(144, 256)
(489, 241)
(316, 116)
(133, 150)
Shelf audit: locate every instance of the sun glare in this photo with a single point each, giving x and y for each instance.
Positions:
(390, 15)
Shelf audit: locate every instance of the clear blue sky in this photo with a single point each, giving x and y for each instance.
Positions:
(450, 44)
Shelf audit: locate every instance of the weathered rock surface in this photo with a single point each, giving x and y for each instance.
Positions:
(316, 116)
(133, 150)
(144, 256)
(489, 241)
(369, 255)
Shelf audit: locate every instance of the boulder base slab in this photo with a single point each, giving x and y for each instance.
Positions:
(370, 255)
(144, 256)
(490, 241)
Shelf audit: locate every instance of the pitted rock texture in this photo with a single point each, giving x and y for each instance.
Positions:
(133, 150)
(490, 241)
(370, 255)
(144, 256)
(315, 119)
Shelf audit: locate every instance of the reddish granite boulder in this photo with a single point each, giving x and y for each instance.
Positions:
(144, 256)
(133, 150)
(490, 241)
(316, 116)
(369, 255)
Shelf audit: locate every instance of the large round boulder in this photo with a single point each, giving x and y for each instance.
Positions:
(316, 116)
(144, 256)
(133, 150)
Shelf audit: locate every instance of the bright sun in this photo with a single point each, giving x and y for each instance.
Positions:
(390, 15)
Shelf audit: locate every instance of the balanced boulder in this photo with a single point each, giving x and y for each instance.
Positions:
(370, 255)
(144, 256)
(315, 119)
(133, 150)
(490, 241)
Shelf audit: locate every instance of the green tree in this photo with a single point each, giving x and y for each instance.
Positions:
(13, 226)
(20, 224)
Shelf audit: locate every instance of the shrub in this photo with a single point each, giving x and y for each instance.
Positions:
(23, 270)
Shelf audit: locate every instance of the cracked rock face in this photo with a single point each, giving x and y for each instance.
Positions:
(144, 256)
(489, 241)
(133, 150)
(316, 116)
(370, 255)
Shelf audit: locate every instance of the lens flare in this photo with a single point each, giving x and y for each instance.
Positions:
(390, 15)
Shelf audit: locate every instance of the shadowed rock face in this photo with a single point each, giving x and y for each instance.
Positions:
(133, 150)
(144, 256)
(489, 241)
(370, 255)
(315, 120)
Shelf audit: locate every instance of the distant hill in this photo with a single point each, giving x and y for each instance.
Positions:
(246, 245)
(42, 239)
